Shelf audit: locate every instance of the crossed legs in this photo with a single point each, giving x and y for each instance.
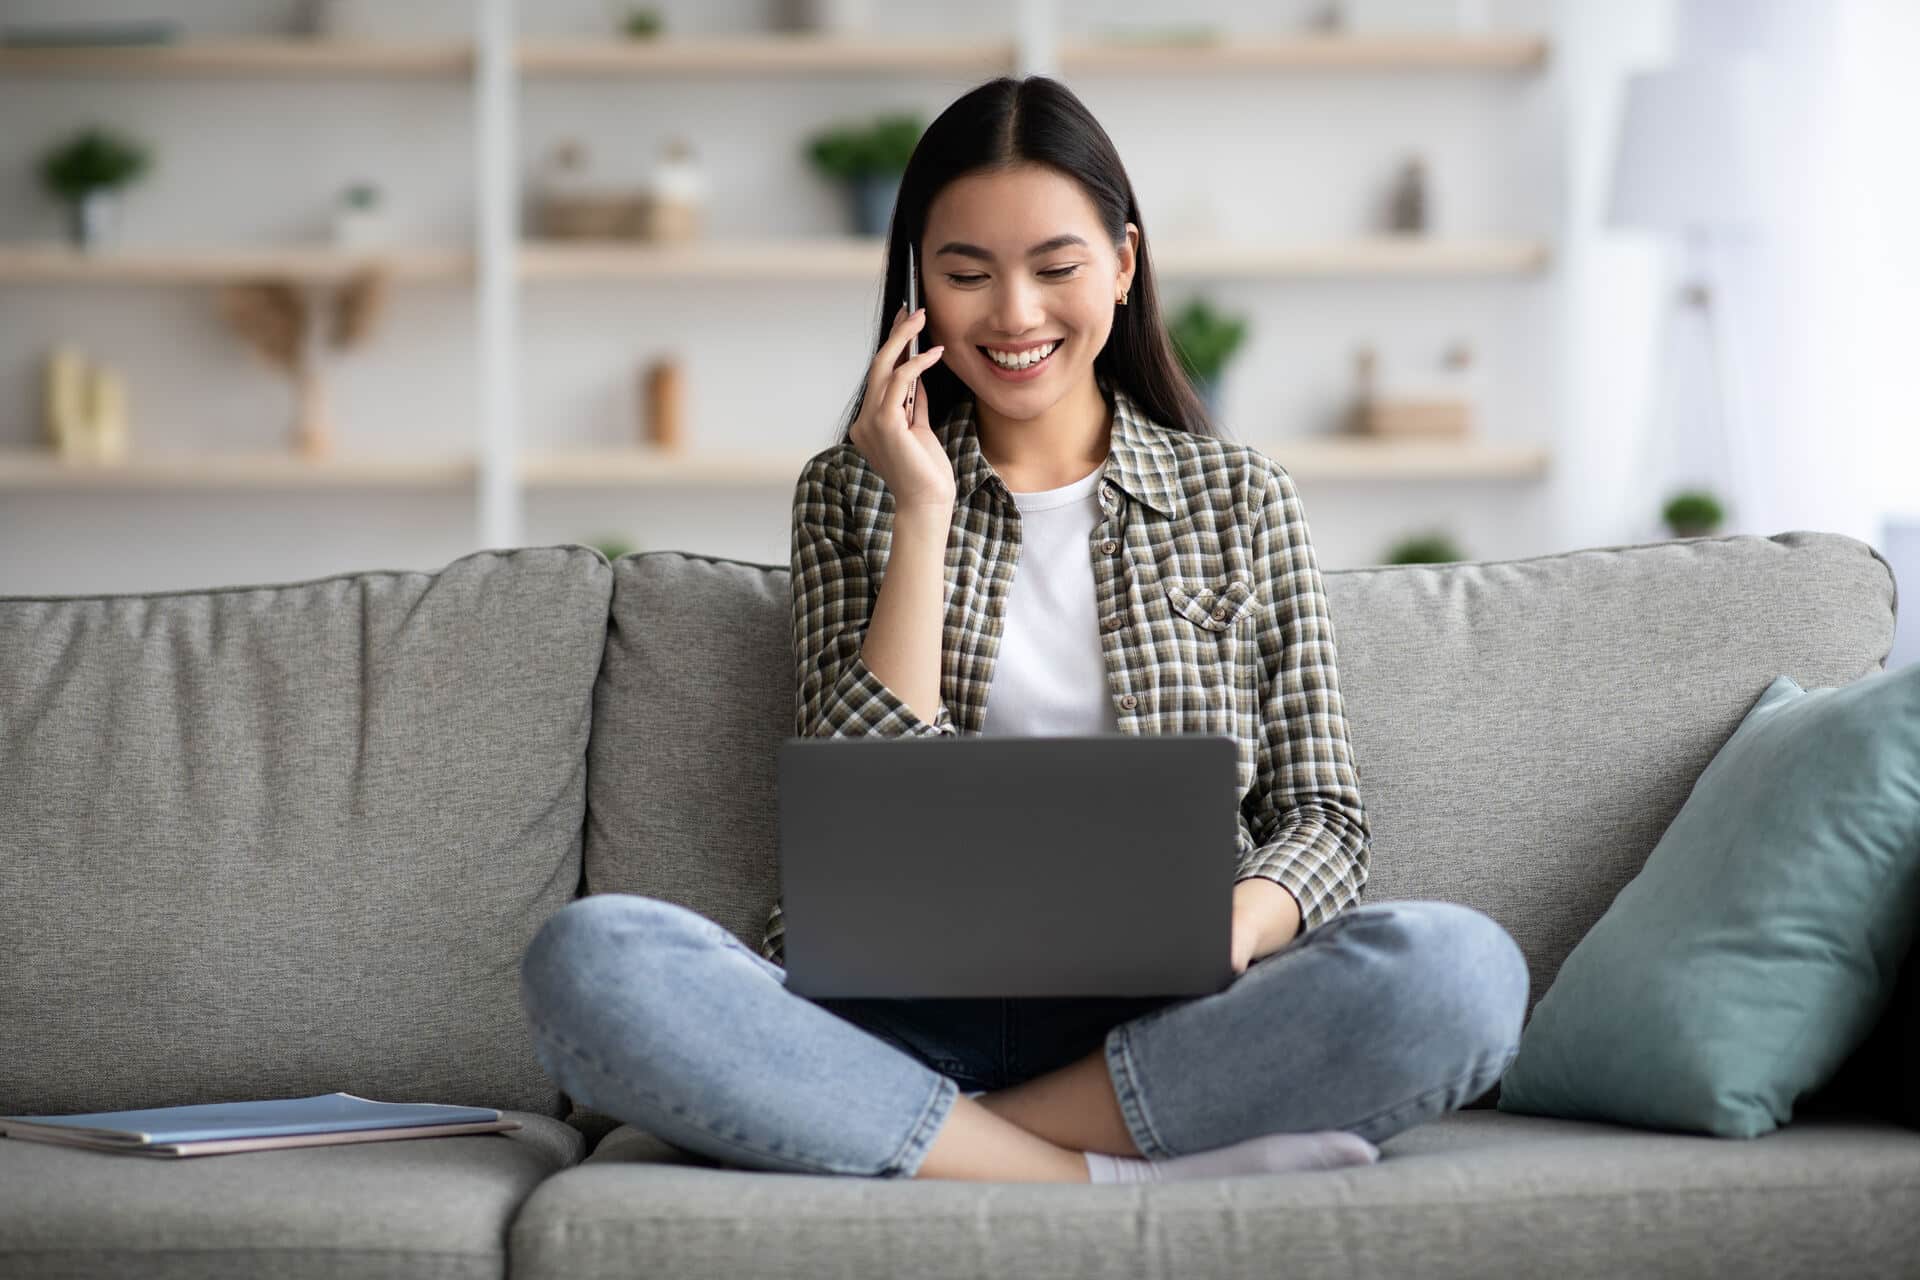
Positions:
(1034, 1131)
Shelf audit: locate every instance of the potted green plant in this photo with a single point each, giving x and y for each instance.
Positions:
(1205, 339)
(1693, 513)
(86, 173)
(641, 22)
(1425, 548)
(869, 159)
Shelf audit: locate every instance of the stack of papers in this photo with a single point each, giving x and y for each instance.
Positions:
(216, 1128)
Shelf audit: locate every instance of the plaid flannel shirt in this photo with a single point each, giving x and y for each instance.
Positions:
(1213, 620)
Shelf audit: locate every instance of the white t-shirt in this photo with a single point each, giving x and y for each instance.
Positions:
(1050, 678)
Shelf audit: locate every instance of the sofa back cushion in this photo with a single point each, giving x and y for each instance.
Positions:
(283, 840)
(1523, 730)
(694, 698)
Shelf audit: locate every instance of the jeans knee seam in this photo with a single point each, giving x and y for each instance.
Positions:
(1425, 1094)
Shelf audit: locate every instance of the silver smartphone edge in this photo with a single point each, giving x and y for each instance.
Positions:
(913, 301)
(913, 305)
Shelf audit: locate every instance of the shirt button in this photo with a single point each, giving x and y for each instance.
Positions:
(1128, 701)
(1113, 622)
(1220, 613)
(1110, 546)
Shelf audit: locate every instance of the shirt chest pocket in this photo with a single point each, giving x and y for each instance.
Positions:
(1212, 606)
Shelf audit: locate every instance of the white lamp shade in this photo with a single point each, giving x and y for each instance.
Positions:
(1689, 151)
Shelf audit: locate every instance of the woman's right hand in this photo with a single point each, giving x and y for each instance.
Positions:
(906, 454)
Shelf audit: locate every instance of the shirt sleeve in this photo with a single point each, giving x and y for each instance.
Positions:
(1303, 816)
(835, 694)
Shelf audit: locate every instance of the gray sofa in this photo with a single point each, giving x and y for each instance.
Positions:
(280, 840)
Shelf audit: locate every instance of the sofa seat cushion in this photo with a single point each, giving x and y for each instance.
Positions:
(1471, 1194)
(413, 1207)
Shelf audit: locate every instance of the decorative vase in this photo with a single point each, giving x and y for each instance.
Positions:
(312, 424)
(665, 395)
(93, 218)
(358, 220)
(873, 195)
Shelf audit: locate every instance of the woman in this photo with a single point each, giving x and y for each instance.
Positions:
(1179, 596)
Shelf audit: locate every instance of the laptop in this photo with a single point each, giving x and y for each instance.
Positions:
(1008, 866)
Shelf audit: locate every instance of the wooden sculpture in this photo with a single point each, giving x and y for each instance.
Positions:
(293, 327)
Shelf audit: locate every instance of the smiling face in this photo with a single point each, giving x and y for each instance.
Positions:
(1015, 262)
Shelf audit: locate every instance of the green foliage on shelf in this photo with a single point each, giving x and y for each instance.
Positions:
(612, 546)
(1692, 512)
(93, 159)
(1204, 338)
(1425, 548)
(854, 151)
(641, 23)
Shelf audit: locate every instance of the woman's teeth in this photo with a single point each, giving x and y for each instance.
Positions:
(1024, 360)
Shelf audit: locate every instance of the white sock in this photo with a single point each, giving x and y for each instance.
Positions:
(1273, 1153)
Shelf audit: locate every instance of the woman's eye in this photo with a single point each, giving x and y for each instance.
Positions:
(1057, 273)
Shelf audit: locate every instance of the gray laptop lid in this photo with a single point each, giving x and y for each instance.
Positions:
(1019, 866)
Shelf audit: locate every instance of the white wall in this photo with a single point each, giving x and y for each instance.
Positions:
(1563, 354)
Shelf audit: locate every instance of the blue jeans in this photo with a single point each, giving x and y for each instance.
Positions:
(1381, 1018)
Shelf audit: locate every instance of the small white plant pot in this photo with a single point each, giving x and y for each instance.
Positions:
(93, 221)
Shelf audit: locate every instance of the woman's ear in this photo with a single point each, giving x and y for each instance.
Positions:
(1129, 252)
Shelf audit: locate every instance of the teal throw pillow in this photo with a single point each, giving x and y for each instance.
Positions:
(1764, 936)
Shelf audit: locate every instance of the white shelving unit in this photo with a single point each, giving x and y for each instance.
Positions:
(501, 263)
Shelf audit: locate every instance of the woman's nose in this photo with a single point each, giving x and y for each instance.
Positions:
(1016, 309)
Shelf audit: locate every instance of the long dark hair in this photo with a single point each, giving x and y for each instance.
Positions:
(1007, 122)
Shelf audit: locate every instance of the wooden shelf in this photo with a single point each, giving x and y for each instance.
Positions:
(768, 54)
(1309, 457)
(787, 53)
(1358, 52)
(859, 258)
(284, 55)
(1344, 457)
(42, 469)
(820, 258)
(54, 263)
(619, 468)
(1409, 255)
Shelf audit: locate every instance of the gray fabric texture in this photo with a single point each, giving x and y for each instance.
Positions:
(1469, 1195)
(274, 841)
(694, 698)
(436, 1207)
(1524, 729)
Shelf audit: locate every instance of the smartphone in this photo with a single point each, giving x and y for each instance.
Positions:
(913, 305)
(913, 301)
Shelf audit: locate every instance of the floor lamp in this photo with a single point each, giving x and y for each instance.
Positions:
(1686, 168)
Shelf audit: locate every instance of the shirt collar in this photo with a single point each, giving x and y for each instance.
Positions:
(1140, 455)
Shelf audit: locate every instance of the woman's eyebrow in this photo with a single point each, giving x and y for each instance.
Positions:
(975, 251)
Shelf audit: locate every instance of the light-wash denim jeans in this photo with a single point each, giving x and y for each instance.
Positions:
(1383, 1017)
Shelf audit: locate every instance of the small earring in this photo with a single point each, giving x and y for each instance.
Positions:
(1123, 297)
